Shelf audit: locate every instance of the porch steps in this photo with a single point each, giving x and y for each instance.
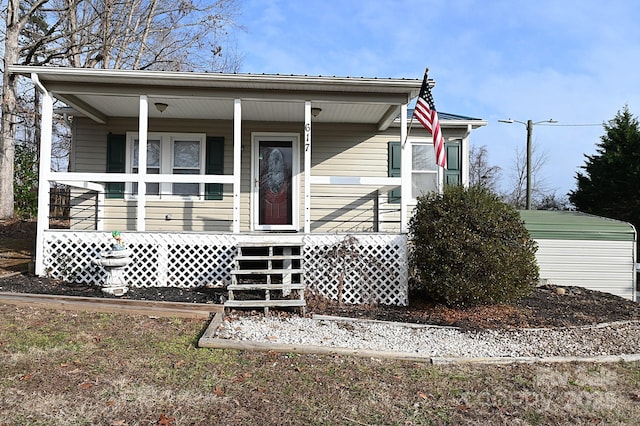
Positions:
(271, 272)
(263, 287)
(267, 274)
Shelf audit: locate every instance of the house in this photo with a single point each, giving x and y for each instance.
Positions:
(319, 171)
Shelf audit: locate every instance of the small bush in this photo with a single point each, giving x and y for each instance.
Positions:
(470, 248)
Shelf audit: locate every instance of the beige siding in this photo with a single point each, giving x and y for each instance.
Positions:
(338, 150)
(90, 149)
(119, 214)
(351, 150)
(83, 209)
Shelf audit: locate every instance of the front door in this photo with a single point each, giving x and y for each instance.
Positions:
(275, 176)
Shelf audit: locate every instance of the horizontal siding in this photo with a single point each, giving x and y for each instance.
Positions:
(349, 151)
(114, 219)
(83, 209)
(209, 216)
(90, 146)
(343, 150)
(597, 265)
(90, 149)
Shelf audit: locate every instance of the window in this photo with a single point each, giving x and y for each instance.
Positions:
(186, 161)
(170, 153)
(116, 163)
(153, 164)
(424, 173)
(394, 161)
(453, 174)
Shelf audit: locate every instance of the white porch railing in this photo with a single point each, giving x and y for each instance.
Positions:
(336, 204)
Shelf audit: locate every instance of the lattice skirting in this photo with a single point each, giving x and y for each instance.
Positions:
(358, 268)
(353, 268)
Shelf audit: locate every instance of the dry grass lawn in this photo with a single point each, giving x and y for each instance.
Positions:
(69, 368)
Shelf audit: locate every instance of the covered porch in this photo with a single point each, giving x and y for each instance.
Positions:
(337, 138)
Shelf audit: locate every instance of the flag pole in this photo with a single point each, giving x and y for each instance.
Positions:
(426, 72)
(408, 131)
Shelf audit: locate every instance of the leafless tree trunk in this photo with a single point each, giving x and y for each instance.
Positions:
(14, 24)
(481, 173)
(7, 147)
(518, 195)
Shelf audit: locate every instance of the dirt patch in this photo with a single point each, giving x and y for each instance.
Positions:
(17, 243)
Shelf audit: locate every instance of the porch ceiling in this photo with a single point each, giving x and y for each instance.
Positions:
(101, 94)
(222, 109)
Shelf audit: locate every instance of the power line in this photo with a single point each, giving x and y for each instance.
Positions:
(570, 125)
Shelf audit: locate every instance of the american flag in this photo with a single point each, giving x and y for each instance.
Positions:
(425, 112)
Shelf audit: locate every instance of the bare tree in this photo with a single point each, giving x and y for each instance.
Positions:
(481, 173)
(148, 34)
(181, 35)
(16, 20)
(539, 187)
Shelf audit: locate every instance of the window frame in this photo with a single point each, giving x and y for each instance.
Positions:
(167, 144)
(434, 172)
(200, 169)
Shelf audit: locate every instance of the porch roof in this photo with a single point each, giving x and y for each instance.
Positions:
(448, 120)
(100, 94)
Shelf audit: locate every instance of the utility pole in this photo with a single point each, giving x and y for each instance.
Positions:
(529, 124)
(529, 154)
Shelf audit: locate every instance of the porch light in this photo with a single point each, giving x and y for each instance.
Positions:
(160, 106)
(316, 112)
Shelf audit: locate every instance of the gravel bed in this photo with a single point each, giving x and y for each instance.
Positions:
(621, 338)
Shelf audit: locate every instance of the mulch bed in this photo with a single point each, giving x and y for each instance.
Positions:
(544, 308)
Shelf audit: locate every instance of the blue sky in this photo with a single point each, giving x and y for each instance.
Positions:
(575, 61)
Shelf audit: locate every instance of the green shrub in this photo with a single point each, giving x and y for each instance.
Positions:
(25, 182)
(470, 248)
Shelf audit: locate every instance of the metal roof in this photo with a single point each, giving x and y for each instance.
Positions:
(450, 120)
(103, 93)
(568, 225)
(237, 81)
(447, 116)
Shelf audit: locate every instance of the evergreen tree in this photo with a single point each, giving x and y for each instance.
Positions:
(610, 184)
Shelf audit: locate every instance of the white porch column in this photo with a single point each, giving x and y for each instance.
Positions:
(405, 170)
(464, 153)
(307, 167)
(380, 200)
(46, 130)
(237, 162)
(100, 210)
(143, 127)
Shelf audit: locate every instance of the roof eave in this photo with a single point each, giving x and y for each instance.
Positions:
(393, 85)
(454, 123)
